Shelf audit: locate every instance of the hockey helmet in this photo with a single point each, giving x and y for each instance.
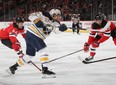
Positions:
(19, 19)
(55, 12)
(98, 17)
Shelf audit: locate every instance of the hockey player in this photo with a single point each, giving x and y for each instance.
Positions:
(8, 35)
(43, 24)
(76, 23)
(100, 31)
(102, 15)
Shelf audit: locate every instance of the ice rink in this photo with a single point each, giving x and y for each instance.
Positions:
(69, 70)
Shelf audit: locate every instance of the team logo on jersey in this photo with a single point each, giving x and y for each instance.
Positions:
(47, 19)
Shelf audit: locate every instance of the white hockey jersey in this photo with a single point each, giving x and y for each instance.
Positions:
(39, 32)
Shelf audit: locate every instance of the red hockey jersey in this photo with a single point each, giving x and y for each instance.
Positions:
(104, 30)
(11, 33)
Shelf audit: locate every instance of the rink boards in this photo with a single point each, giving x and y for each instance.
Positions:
(84, 25)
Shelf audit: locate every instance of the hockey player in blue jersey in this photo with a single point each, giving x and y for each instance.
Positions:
(43, 24)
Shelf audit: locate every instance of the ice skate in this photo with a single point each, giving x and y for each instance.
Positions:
(11, 70)
(47, 73)
(78, 33)
(88, 58)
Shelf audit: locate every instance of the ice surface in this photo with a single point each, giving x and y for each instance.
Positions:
(69, 70)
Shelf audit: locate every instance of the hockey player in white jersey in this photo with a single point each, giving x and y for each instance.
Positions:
(76, 23)
(43, 24)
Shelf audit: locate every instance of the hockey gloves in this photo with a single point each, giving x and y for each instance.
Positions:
(95, 44)
(86, 47)
(62, 27)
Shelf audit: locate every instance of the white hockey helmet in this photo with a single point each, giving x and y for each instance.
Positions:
(55, 12)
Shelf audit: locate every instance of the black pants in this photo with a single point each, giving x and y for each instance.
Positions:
(75, 27)
(33, 44)
(113, 33)
(7, 43)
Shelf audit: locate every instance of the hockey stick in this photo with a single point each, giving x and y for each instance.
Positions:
(100, 60)
(35, 66)
(64, 56)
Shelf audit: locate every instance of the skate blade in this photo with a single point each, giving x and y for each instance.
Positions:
(45, 76)
(9, 72)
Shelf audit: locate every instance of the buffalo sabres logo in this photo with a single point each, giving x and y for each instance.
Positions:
(47, 29)
(47, 19)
